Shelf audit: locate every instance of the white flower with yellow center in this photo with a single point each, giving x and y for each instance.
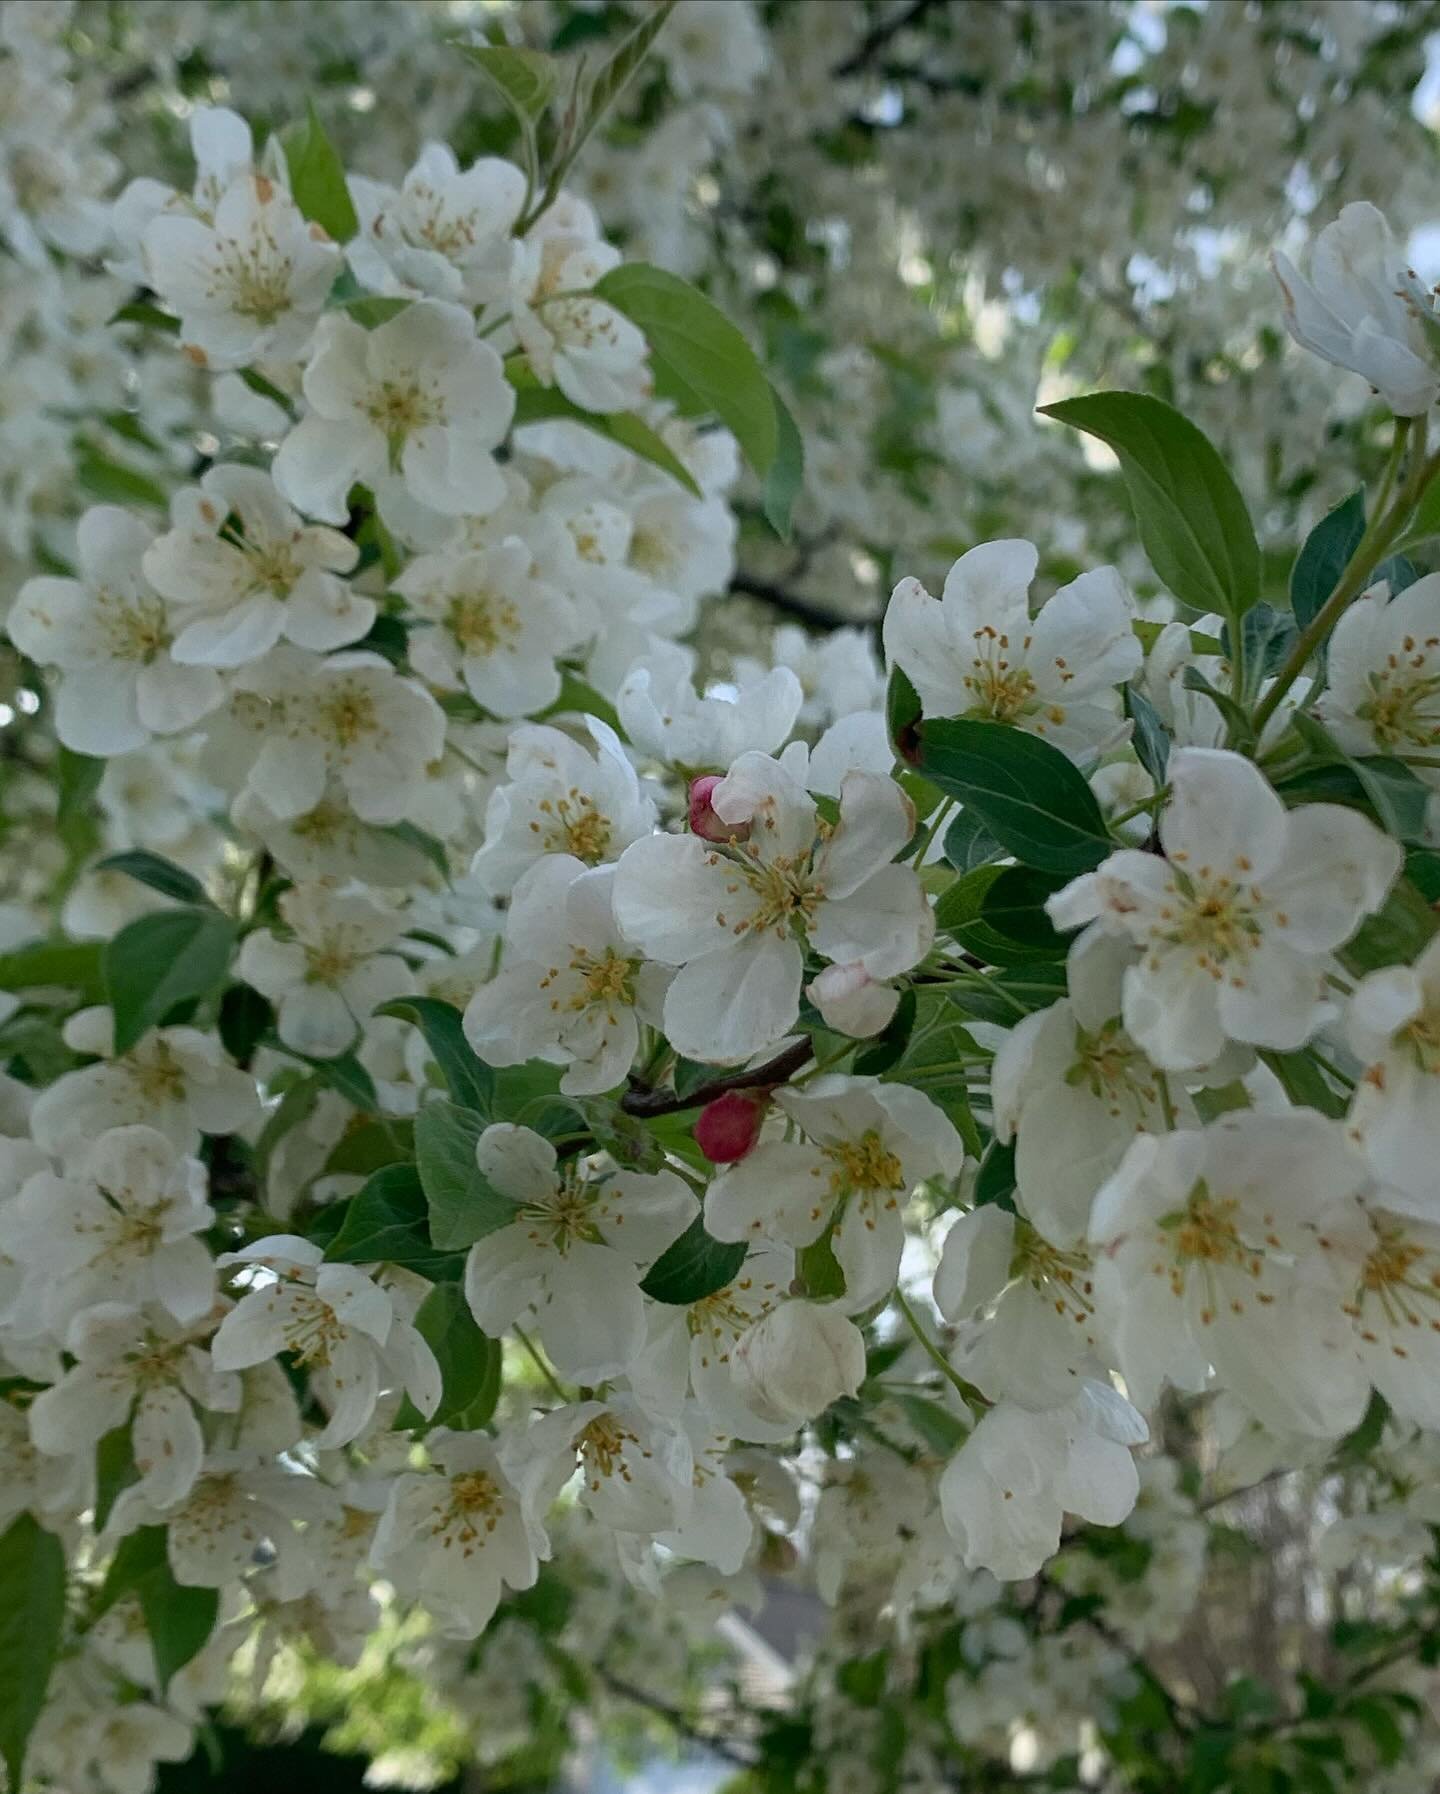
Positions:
(736, 917)
(635, 1470)
(1237, 924)
(1208, 1252)
(242, 569)
(1389, 1267)
(866, 1146)
(443, 233)
(348, 718)
(120, 1228)
(570, 989)
(977, 652)
(453, 1537)
(140, 1370)
(328, 978)
(592, 352)
(110, 634)
(494, 627)
(1394, 1025)
(667, 720)
(559, 798)
(337, 1322)
(572, 1253)
(176, 1080)
(413, 408)
(249, 285)
(1383, 691)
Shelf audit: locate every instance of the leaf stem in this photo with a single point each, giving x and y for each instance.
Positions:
(932, 1351)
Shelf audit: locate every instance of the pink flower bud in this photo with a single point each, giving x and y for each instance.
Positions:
(729, 1126)
(703, 820)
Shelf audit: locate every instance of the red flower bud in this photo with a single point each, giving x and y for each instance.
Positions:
(703, 820)
(729, 1126)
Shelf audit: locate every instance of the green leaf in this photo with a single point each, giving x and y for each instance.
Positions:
(1033, 800)
(463, 1207)
(179, 1619)
(819, 1270)
(114, 483)
(610, 82)
(995, 1180)
(941, 1430)
(625, 1137)
(787, 471)
(695, 1266)
(374, 309)
(998, 913)
(525, 79)
(535, 404)
(345, 1074)
(1324, 556)
(1305, 1083)
(371, 1147)
(887, 1048)
(968, 843)
(114, 1470)
(160, 874)
(158, 961)
(140, 311)
(1192, 520)
(1361, 1440)
(698, 349)
(317, 178)
(1151, 740)
(470, 1362)
(469, 1080)
(576, 695)
(902, 717)
(32, 1622)
(388, 1222)
(1424, 526)
(1387, 787)
(1397, 934)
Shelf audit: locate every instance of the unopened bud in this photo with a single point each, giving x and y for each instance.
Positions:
(730, 1125)
(703, 820)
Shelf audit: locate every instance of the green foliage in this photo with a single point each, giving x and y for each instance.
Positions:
(317, 178)
(1033, 800)
(470, 1362)
(469, 1080)
(158, 873)
(1324, 556)
(695, 1266)
(535, 404)
(159, 961)
(389, 1221)
(179, 1619)
(1192, 520)
(32, 1624)
(463, 1207)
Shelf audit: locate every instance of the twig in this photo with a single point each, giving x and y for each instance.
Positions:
(676, 1719)
(818, 616)
(639, 1101)
(879, 35)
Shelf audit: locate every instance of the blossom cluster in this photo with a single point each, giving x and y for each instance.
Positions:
(484, 1088)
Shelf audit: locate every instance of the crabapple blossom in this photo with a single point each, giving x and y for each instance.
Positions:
(1383, 691)
(1394, 1114)
(242, 570)
(570, 990)
(571, 339)
(796, 1360)
(732, 918)
(1361, 309)
(976, 652)
(444, 232)
(336, 1321)
(571, 1254)
(249, 283)
(110, 635)
(418, 404)
(1236, 925)
(665, 719)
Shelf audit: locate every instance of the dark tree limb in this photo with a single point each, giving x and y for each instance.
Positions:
(642, 1102)
(880, 34)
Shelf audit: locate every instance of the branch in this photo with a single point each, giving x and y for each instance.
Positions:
(639, 1101)
(674, 1718)
(818, 616)
(879, 35)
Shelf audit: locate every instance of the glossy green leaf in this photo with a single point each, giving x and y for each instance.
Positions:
(317, 177)
(1324, 556)
(158, 961)
(463, 1207)
(470, 1362)
(32, 1624)
(535, 404)
(469, 1080)
(1192, 520)
(158, 873)
(388, 1221)
(1033, 800)
(695, 1266)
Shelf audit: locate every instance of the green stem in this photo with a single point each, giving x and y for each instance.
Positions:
(545, 1371)
(942, 810)
(932, 1351)
(1369, 552)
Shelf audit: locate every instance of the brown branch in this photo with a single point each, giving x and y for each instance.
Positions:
(646, 1103)
(879, 35)
(674, 1718)
(793, 604)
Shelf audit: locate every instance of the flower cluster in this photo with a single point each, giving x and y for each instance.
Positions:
(483, 1090)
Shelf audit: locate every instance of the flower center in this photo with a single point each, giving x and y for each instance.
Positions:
(331, 960)
(349, 714)
(312, 1330)
(397, 408)
(1389, 1279)
(1422, 1038)
(134, 628)
(1205, 1236)
(1213, 915)
(784, 887)
(607, 980)
(602, 1450)
(565, 1215)
(158, 1075)
(1113, 1070)
(481, 623)
(1405, 708)
(475, 1507)
(574, 826)
(863, 1165)
(1063, 1275)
